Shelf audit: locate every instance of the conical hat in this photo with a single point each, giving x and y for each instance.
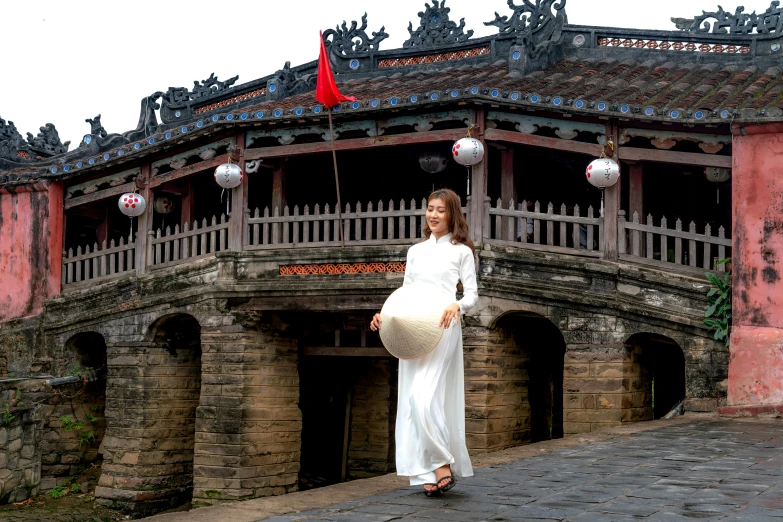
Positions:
(409, 322)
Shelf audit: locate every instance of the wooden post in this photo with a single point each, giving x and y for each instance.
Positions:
(336, 177)
(144, 220)
(508, 187)
(636, 190)
(478, 182)
(346, 433)
(236, 224)
(188, 203)
(612, 201)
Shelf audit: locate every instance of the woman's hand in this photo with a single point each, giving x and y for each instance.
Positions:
(375, 324)
(451, 312)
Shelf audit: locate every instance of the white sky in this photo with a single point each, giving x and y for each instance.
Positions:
(65, 61)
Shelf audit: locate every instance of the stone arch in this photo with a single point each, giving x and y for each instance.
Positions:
(542, 347)
(76, 412)
(172, 392)
(659, 379)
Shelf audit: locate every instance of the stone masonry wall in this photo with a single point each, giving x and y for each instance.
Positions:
(248, 427)
(373, 414)
(20, 463)
(497, 412)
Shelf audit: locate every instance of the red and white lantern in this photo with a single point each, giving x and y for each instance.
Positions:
(229, 175)
(602, 173)
(163, 205)
(467, 151)
(132, 205)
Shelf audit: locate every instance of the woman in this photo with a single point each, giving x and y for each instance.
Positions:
(430, 431)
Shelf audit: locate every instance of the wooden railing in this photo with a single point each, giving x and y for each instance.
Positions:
(513, 225)
(662, 246)
(373, 225)
(105, 261)
(167, 247)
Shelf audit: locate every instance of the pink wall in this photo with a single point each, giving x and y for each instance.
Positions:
(756, 364)
(31, 234)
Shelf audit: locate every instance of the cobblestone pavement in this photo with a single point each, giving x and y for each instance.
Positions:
(709, 470)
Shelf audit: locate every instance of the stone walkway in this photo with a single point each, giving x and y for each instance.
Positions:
(709, 469)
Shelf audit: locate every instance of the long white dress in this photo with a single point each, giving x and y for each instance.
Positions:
(430, 429)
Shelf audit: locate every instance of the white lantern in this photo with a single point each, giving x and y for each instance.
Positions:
(229, 175)
(717, 174)
(433, 162)
(468, 151)
(163, 205)
(603, 173)
(131, 204)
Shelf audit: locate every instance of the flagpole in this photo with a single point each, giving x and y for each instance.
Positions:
(336, 178)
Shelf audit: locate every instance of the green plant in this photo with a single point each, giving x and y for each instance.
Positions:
(77, 370)
(718, 315)
(76, 488)
(57, 492)
(70, 425)
(90, 417)
(86, 438)
(8, 417)
(95, 407)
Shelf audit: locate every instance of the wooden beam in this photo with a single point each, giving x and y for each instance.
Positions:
(591, 149)
(344, 351)
(97, 196)
(322, 303)
(160, 179)
(355, 143)
(669, 156)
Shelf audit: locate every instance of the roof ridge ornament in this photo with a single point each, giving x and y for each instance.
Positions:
(435, 28)
(12, 145)
(347, 42)
(47, 140)
(769, 22)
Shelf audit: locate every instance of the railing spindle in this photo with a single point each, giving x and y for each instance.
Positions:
(563, 226)
(664, 240)
(537, 225)
(590, 230)
(649, 237)
(550, 225)
(306, 225)
(721, 250)
(636, 243)
(706, 262)
(678, 243)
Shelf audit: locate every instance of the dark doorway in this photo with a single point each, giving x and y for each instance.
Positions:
(663, 370)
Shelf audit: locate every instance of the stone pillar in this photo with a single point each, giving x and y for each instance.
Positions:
(497, 412)
(605, 383)
(248, 426)
(756, 364)
(152, 392)
(373, 415)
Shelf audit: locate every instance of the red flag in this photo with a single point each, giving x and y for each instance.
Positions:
(326, 89)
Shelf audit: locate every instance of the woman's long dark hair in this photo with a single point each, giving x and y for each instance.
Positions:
(457, 223)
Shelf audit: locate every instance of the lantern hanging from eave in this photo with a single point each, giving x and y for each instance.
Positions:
(132, 204)
(468, 151)
(229, 175)
(717, 175)
(163, 205)
(603, 172)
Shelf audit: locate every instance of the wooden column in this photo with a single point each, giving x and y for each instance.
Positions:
(278, 187)
(188, 204)
(236, 225)
(478, 183)
(508, 187)
(612, 201)
(636, 191)
(144, 220)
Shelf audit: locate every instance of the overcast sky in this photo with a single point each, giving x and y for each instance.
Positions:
(65, 61)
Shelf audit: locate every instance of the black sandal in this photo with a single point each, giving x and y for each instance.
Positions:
(450, 484)
(432, 493)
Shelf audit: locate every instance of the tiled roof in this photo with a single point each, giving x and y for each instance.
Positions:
(649, 90)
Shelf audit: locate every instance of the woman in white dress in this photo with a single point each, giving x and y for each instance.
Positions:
(430, 430)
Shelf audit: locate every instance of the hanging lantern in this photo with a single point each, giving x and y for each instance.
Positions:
(602, 173)
(433, 161)
(132, 204)
(163, 205)
(717, 174)
(468, 151)
(229, 175)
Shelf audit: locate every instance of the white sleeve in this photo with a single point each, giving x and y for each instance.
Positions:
(408, 270)
(467, 275)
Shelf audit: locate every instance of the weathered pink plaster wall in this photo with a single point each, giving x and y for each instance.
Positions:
(756, 364)
(31, 234)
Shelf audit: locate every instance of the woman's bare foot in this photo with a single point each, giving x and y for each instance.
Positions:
(443, 478)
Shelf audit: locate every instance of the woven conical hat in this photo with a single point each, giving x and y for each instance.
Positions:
(409, 322)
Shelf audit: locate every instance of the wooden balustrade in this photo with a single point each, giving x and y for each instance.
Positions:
(104, 261)
(662, 246)
(169, 247)
(370, 225)
(515, 226)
